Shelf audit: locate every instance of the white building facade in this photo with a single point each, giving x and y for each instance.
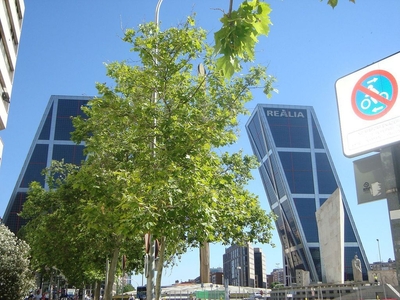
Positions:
(11, 16)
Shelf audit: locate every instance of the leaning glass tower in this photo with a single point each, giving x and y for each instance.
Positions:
(298, 177)
(51, 142)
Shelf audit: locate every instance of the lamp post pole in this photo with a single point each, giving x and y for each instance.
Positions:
(158, 11)
(379, 251)
(239, 269)
(380, 265)
(150, 261)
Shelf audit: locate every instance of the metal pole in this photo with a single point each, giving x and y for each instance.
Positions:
(390, 158)
(379, 251)
(158, 12)
(383, 285)
(238, 271)
(151, 254)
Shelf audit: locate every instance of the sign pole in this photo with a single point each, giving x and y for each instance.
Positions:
(390, 157)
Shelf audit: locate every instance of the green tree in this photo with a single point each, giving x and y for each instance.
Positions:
(54, 236)
(16, 278)
(58, 236)
(276, 284)
(128, 288)
(155, 143)
(155, 162)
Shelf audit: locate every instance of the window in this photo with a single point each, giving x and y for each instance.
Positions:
(66, 109)
(326, 180)
(306, 211)
(256, 133)
(317, 138)
(348, 229)
(298, 170)
(45, 133)
(36, 164)
(69, 153)
(289, 127)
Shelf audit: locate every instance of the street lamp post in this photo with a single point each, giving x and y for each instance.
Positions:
(239, 271)
(150, 261)
(158, 11)
(379, 251)
(380, 264)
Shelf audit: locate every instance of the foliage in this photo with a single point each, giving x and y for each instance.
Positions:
(50, 213)
(154, 143)
(128, 288)
(276, 284)
(16, 279)
(237, 38)
(53, 211)
(155, 163)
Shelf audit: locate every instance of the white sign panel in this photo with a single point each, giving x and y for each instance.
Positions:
(368, 105)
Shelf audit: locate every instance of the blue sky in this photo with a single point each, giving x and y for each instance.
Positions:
(65, 44)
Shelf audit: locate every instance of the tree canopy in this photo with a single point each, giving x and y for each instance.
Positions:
(161, 154)
(159, 144)
(58, 235)
(156, 160)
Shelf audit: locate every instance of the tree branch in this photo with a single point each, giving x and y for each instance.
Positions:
(230, 7)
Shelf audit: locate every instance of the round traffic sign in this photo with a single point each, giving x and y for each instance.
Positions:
(374, 94)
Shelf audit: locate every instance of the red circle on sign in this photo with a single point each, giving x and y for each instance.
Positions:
(388, 102)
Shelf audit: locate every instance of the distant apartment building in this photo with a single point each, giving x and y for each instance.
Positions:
(260, 268)
(384, 265)
(217, 278)
(11, 16)
(239, 266)
(384, 272)
(278, 275)
(51, 142)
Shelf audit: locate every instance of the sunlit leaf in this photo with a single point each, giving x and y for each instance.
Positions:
(238, 36)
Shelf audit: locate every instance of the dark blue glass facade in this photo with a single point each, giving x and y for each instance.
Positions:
(51, 142)
(298, 177)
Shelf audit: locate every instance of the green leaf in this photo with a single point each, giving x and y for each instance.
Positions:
(238, 36)
(263, 22)
(333, 3)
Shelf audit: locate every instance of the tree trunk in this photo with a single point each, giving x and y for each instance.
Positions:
(97, 290)
(83, 292)
(205, 262)
(160, 265)
(111, 275)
